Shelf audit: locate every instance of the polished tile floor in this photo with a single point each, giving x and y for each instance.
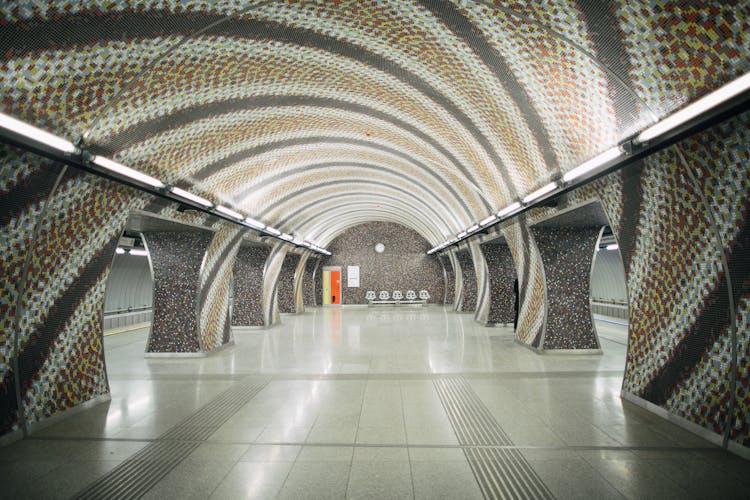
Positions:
(369, 403)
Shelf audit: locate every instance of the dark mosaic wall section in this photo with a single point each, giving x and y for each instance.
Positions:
(309, 281)
(502, 274)
(176, 259)
(247, 307)
(285, 284)
(469, 297)
(403, 265)
(450, 280)
(64, 239)
(568, 254)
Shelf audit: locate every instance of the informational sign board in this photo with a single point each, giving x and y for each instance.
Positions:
(352, 276)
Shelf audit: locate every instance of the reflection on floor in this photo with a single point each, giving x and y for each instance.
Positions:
(369, 403)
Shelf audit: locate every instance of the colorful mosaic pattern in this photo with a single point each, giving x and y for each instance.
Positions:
(450, 279)
(502, 274)
(568, 254)
(469, 282)
(285, 284)
(403, 265)
(271, 271)
(312, 270)
(247, 306)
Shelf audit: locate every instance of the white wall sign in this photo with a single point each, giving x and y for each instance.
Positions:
(352, 276)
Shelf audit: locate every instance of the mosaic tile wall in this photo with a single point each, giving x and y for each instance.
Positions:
(403, 265)
(299, 283)
(469, 282)
(61, 227)
(482, 311)
(450, 279)
(176, 259)
(247, 305)
(285, 284)
(679, 352)
(568, 254)
(502, 273)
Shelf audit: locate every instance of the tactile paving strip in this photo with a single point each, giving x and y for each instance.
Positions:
(500, 472)
(138, 474)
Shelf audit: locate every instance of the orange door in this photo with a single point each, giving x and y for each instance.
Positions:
(335, 287)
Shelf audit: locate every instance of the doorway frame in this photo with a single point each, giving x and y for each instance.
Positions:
(341, 285)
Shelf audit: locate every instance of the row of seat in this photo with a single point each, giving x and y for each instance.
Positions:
(397, 295)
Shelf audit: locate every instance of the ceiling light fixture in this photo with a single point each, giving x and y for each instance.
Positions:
(228, 212)
(128, 172)
(138, 252)
(612, 246)
(489, 220)
(254, 223)
(509, 209)
(461, 235)
(705, 103)
(119, 251)
(540, 192)
(592, 164)
(190, 196)
(473, 228)
(37, 135)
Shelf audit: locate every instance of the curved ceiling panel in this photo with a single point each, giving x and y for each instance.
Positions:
(317, 114)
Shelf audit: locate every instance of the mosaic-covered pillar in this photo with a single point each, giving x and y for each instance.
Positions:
(215, 282)
(468, 281)
(458, 280)
(247, 305)
(450, 279)
(482, 309)
(285, 284)
(531, 287)
(309, 280)
(568, 255)
(58, 231)
(299, 281)
(271, 272)
(176, 259)
(502, 274)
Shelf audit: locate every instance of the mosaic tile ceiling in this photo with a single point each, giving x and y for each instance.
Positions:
(319, 115)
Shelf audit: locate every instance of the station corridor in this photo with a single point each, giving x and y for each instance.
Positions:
(391, 402)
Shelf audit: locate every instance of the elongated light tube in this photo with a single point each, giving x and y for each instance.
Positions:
(461, 235)
(705, 103)
(540, 192)
(489, 220)
(190, 196)
(287, 237)
(472, 228)
(128, 172)
(254, 223)
(612, 246)
(119, 251)
(138, 252)
(272, 230)
(36, 134)
(509, 209)
(228, 212)
(592, 164)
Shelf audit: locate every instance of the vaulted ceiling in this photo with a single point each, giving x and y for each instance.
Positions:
(314, 116)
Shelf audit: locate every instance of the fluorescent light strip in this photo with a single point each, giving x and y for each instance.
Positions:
(540, 192)
(613, 246)
(272, 230)
(592, 164)
(119, 251)
(489, 220)
(228, 211)
(254, 223)
(36, 134)
(138, 252)
(461, 235)
(472, 228)
(128, 172)
(705, 103)
(287, 237)
(190, 196)
(509, 209)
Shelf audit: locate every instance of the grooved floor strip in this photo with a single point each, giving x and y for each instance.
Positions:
(500, 471)
(139, 473)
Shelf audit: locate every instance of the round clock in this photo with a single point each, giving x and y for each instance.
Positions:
(379, 248)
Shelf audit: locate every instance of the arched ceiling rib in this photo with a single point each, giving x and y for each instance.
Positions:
(443, 110)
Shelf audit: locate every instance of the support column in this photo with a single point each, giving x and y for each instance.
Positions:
(247, 307)
(567, 255)
(270, 280)
(299, 278)
(468, 301)
(450, 279)
(312, 268)
(176, 259)
(285, 284)
(502, 274)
